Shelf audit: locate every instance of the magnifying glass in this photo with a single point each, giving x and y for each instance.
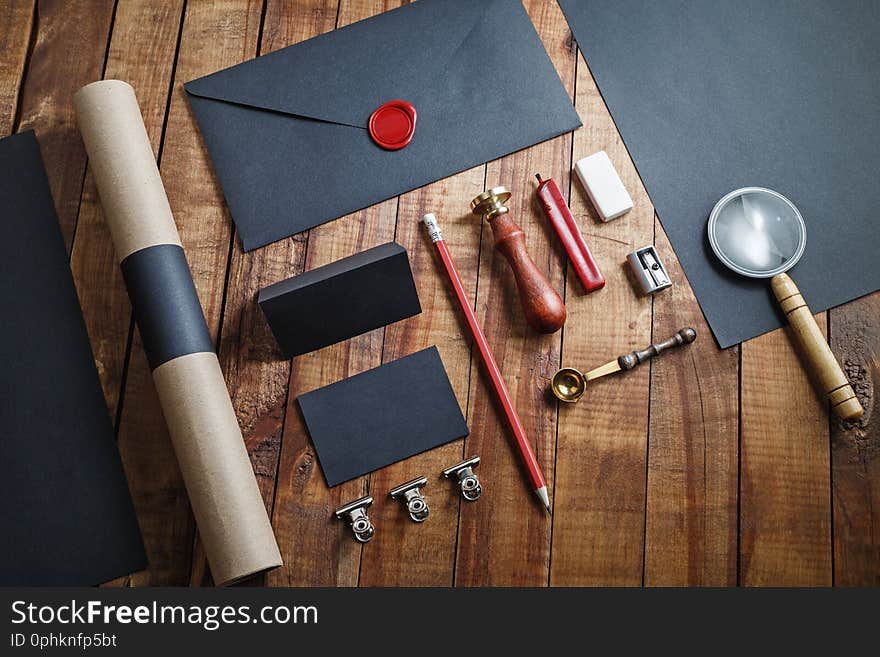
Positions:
(759, 233)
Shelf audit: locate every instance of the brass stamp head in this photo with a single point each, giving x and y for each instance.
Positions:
(490, 203)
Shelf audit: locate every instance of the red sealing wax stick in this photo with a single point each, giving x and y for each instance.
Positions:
(578, 252)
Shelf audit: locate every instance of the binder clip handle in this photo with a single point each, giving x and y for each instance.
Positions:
(412, 496)
(356, 513)
(467, 480)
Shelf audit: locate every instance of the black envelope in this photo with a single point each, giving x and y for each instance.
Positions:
(287, 132)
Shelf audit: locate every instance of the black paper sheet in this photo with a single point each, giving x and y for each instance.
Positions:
(287, 132)
(714, 96)
(66, 517)
(340, 300)
(382, 416)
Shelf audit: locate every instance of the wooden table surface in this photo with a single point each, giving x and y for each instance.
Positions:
(707, 468)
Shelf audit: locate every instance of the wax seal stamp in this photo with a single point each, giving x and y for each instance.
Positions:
(542, 306)
(393, 124)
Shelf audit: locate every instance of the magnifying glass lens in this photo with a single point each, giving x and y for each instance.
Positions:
(757, 233)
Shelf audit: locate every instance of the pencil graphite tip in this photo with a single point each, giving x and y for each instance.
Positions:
(542, 494)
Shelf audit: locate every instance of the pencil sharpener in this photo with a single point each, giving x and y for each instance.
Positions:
(568, 384)
(467, 480)
(356, 514)
(415, 501)
(648, 271)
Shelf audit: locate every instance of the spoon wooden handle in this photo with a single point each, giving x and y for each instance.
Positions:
(629, 361)
(542, 306)
(815, 348)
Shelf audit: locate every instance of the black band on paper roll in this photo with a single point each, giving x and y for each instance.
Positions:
(166, 306)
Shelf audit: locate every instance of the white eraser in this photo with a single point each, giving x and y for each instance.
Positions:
(606, 190)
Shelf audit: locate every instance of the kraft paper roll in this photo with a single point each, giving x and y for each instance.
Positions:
(220, 482)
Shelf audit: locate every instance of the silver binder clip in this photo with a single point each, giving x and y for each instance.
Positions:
(649, 272)
(415, 501)
(467, 480)
(357, 517)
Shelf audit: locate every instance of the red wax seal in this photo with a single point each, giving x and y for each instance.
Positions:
(393, 124)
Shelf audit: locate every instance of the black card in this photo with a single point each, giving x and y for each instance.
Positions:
(713, 96)
(382, 416)
(66, 517)
(287, 132)
(340, 300)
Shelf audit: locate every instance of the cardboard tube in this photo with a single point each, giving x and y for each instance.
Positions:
(220, 482)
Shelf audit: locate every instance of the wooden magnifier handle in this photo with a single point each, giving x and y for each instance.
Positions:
(541, 304)
(835, 385)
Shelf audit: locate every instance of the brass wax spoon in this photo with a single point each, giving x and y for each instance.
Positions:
(569, 384)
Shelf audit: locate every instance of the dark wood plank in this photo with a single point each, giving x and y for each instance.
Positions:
(68, 53)
(693, 447)
(256, 371)
(855, 447)
(16, 22)
(598, 524)
(504, 539)
(142, 50)
(318, 550)
(215, 35)
(389, 561)
(785, 510)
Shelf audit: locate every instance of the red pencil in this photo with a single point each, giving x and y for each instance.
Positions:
(524, 447)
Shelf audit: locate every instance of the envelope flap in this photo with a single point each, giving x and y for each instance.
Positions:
(344, 75)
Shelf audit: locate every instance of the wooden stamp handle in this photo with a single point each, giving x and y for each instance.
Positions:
(816, 350)
(629, 361)
(542, 306)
